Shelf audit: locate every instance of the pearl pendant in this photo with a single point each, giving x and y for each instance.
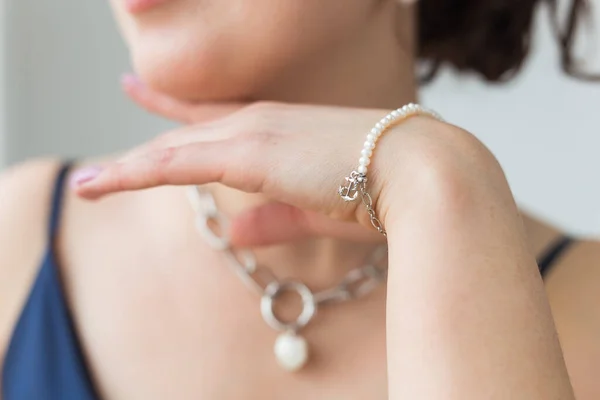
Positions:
(291, 351)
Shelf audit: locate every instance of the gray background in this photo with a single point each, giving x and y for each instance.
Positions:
(60, 64)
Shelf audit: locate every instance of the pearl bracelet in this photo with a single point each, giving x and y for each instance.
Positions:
(357, 181)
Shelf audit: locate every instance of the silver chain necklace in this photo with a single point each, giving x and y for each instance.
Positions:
(291, 349)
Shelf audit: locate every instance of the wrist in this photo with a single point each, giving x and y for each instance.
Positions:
(357, 180)
(426, 163)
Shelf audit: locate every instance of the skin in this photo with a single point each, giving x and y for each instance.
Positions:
(467, 314)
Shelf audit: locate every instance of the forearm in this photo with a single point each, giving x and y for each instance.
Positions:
(467, 313)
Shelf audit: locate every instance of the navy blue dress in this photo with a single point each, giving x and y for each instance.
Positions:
(44, 360)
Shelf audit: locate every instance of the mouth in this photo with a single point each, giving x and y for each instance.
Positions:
(139, 6)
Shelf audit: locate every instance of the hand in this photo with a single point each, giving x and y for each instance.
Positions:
(458, 256)
(295, 155)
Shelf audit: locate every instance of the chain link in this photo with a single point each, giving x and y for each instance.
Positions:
(356, 284)
(357, 184)
(368, 202)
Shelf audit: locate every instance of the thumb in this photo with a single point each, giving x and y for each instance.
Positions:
(275, 223)
(171, 108)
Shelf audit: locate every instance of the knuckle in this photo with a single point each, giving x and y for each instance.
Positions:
(160, 165)
(252, 170)
(164, 158)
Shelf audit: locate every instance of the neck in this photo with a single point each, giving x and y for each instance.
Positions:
(373, 69)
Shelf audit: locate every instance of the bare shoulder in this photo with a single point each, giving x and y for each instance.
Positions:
(24, 206)
(573, 287)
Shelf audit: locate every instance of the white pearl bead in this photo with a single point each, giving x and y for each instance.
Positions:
(393, 117)
(291, 351)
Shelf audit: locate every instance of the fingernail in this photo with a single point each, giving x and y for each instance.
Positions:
(130, 80)
(84, 175)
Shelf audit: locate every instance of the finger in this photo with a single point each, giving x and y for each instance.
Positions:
(276, 223)
(226, 161)
(170, 108)
(176, 138)
(225, 127)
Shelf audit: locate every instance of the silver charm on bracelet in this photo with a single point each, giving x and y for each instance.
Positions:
(356, 182)
(350, 192)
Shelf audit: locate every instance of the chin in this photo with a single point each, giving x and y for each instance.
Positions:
(196, 76)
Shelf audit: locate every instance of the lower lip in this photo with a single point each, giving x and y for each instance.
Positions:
(138, 6)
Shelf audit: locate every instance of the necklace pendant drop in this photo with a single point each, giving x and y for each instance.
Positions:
(291, 351)
(290, 348)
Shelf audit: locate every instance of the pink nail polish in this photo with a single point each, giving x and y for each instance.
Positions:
(84, 175)
(131, 81)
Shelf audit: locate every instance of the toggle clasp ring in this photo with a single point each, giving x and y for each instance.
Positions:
(274, 290)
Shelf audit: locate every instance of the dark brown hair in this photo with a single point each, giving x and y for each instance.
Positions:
(491, 37)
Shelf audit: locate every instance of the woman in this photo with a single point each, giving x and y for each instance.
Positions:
(133, 301)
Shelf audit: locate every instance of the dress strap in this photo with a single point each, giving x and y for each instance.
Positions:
(57, 199)
(553, 253)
